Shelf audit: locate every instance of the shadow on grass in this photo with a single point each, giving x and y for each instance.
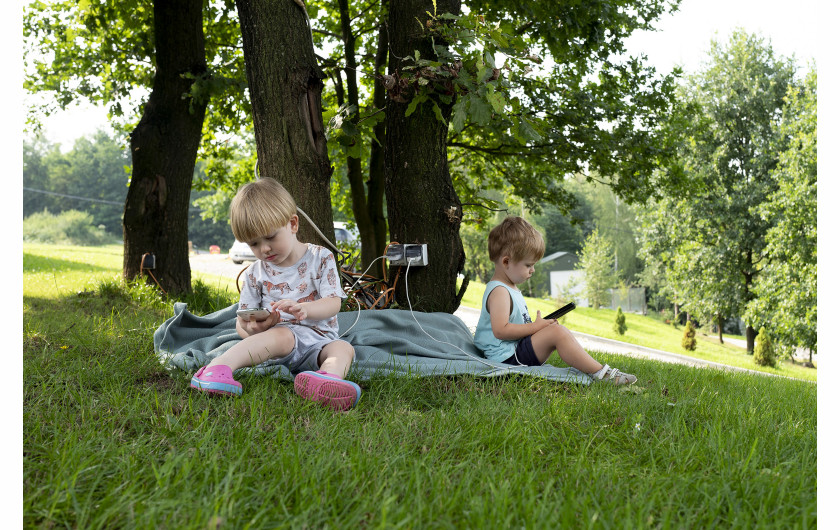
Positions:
(36, 263)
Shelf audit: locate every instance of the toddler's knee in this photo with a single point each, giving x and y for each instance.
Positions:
(562, 331)
(345, 351)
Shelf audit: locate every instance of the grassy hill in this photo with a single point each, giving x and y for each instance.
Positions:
(113, 440)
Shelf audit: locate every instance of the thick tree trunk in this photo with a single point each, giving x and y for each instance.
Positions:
(163, 149)
(422, 204)
(285, 86)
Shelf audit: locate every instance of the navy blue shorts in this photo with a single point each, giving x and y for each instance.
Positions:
(524, 354)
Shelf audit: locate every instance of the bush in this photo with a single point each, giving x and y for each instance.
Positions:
(70, 227)
(688, 341)
(620, 327)
(764, 354)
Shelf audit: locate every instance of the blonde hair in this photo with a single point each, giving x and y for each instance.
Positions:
(259, 208)
(516, 238)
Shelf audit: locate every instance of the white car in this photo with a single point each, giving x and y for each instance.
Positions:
(343, 234)
(240, 252)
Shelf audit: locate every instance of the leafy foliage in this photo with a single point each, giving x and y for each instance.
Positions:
(786, 290)
(103, 51)
(596, 262)
(69, 227)
(764, 353)
(92, 176)
(710, 240)
(620, 325)
(689, 342)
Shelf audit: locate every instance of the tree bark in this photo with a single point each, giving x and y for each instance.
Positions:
(720, 327)
(423, 206)
(285, 83)
(163, 149)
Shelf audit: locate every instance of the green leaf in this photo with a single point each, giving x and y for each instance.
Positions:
(438, 113)
(420, 98)
(526, 132)
(459, 115)
(497, 100)
(490, 59)
(480, 111)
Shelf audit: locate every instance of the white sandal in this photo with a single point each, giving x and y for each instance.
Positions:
(613, 374)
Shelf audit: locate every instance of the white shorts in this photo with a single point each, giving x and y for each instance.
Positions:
(308, 344)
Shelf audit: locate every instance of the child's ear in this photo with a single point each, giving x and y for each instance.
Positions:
(294, 224)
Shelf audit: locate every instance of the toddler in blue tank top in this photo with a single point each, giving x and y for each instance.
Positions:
(505, 331)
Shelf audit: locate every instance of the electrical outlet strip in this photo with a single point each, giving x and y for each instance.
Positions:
(416, 254)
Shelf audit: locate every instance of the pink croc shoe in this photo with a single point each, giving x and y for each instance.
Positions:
(216, 379)
(327, 389)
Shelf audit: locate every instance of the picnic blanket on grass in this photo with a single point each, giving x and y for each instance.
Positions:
(388, 340)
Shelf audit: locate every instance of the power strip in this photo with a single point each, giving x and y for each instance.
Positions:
(416, 254)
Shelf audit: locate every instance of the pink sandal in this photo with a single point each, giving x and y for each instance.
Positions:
(327, 389)
(216, 379)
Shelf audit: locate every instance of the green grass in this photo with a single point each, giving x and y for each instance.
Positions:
(652, 333)
(111, 440)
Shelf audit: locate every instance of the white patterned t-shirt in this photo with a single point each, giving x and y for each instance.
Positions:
(313, 277)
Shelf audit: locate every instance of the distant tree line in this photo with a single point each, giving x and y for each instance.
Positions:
(93, 177)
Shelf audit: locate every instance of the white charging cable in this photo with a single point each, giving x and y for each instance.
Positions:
(359, 312)
(477, 358)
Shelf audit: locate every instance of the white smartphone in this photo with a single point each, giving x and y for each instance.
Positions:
(257, 314)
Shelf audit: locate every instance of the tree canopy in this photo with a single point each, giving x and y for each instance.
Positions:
(712, 238)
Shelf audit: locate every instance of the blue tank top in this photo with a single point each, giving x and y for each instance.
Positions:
(499, 350)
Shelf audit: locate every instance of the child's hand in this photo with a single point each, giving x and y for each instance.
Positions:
(252, 326)
(296, 309)
(543, 322)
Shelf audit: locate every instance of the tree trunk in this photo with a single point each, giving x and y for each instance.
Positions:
(285, 85)
(163, 149)
(376, 171)
(751, 334)
(422, 204)
(720, 327)
(748, 295)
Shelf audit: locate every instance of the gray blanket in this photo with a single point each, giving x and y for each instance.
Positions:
(389, 340)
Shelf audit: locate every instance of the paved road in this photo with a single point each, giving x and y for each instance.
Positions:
(221, 265)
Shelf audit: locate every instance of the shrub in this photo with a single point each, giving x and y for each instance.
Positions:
(620, 327)
(70, 227)
(688, 341)
(764, 354)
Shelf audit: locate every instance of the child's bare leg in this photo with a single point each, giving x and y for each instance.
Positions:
(557, 337)
(255, 349)
(335, 358)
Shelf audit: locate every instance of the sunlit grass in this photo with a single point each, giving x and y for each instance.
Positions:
(111, 440)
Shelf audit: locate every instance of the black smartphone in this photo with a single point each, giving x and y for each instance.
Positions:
(560, 312)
